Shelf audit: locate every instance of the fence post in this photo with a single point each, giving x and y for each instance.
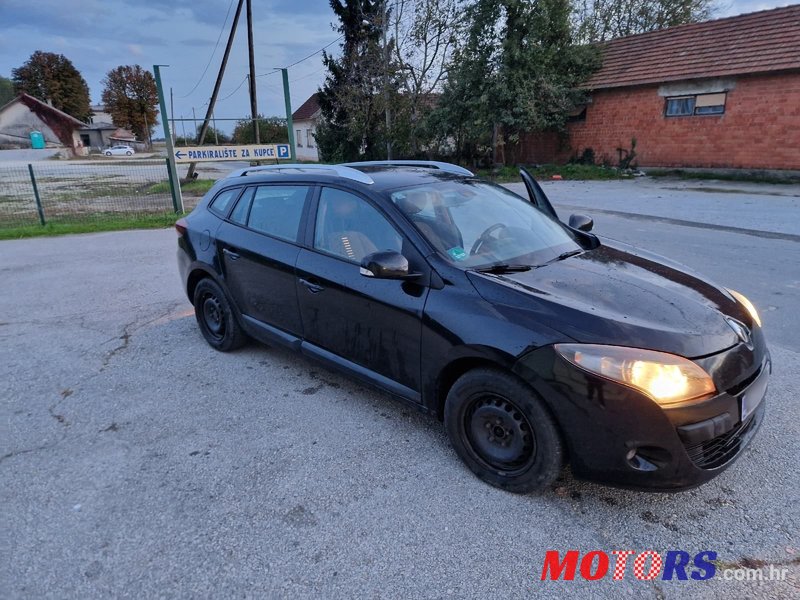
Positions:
(39, 208)
(177, 197)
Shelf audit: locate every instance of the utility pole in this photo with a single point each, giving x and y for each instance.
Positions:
(202, 134)
(287, 99)
(147, 130)
(172, 113)
(251, 56)
(385, 23)
(172, 170)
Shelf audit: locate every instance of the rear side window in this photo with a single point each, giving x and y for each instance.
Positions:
(277, 209)
(239, 214)
(223, 201)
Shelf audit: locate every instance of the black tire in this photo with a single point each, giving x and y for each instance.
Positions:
(215, 317)
(108, 153)
(128, 153)
(502, 431)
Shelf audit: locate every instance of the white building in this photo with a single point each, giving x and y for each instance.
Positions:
(100, 114)
(305, 120)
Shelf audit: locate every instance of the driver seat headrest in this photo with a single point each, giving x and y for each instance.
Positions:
(414, 201)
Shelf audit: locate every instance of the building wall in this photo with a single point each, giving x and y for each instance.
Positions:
(304, 151)
(17, 122)
(760, 128)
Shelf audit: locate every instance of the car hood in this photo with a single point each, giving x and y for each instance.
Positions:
(615, 294)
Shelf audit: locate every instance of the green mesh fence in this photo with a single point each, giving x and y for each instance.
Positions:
(82, 191)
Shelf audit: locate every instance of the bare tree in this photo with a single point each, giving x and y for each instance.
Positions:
(425, 32)
(601, 20)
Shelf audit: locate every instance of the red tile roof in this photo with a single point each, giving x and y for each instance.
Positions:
(308, 109)
(753, 43)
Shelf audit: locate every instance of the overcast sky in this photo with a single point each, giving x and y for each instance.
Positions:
(98, 35)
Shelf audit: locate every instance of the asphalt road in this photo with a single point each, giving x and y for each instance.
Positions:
(137, 462)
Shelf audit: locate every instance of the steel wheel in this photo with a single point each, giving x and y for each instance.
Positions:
(501, 429)
(499, 434)
(213, 317)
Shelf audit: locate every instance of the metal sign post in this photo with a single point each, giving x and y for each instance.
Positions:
(288, 101)
(175, 183)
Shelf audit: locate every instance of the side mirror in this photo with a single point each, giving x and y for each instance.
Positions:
(581, 222)
(386, 264)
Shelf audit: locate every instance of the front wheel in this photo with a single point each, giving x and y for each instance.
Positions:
(215, 317)
(108, 153)
(502, 431)
(128, 153)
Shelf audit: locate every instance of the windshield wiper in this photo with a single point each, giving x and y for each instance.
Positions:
(564, 255)
(500, 268)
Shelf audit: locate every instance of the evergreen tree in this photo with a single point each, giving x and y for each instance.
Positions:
(53, 78)
(6, 90)
(518, 71)
(351, 99)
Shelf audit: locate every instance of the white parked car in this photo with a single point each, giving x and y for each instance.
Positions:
(119, 151)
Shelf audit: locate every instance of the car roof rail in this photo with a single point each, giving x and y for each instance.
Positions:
(424, 164)
(340, 170)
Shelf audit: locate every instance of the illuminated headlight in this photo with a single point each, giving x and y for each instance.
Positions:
(741, 299)
(666, 378)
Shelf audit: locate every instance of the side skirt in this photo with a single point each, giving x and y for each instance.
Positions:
(272, 335)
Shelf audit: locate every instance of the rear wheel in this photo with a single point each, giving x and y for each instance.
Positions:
(502, 431)
(215, 317)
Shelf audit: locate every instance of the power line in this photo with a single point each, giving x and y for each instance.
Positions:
(307, 76)
(314, 53)
(213, 52)
(268, 73)
(234, 91)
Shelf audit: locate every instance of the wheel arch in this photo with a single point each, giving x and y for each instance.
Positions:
(195, 276)
(454, 369)
(459, 366)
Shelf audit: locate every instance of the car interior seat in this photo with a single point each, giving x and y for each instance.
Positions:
(441, 234)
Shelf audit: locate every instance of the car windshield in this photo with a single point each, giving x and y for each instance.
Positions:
(475, 224)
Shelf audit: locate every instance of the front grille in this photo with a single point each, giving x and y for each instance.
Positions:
(717, 451)
(742, 385)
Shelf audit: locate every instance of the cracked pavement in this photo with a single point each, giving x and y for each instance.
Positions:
(137, 462)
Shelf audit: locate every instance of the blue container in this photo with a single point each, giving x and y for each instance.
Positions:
(37, 140)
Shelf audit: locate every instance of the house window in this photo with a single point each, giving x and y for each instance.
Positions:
(710, 104)
(680, 107)
(701, 104)
(298, 137)
(309, 139)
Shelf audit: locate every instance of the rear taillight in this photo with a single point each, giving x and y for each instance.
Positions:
(181, 226)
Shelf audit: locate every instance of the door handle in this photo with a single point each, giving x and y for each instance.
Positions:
(312, 287)
(230, 254)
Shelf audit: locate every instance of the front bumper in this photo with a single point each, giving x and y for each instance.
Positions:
(619, 436)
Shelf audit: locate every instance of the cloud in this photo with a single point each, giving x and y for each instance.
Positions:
(99, 35)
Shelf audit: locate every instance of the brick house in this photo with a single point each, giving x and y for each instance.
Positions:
(722, 94)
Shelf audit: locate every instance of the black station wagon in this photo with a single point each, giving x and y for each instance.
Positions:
(537, 343)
